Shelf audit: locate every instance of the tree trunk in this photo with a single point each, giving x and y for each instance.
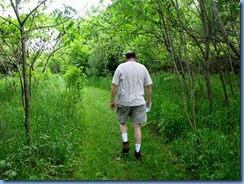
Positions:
(234, 79)
(221, 74)
(6, 88)
(22, 85)
(172, 52)
(206, 29)
(26, 89)
(192, 95)
(226, 101)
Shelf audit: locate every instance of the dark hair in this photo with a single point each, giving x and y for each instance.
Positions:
(130, 54)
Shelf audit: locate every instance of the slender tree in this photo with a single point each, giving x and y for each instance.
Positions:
(23, 38)
(30, 40)
(190, 77)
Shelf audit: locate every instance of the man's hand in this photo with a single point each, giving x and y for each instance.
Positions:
(113, 94)
(149, 94)
(148, 102)
(112, 105)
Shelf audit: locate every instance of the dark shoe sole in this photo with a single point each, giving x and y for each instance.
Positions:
(126, 147)
(125, 150)
(138, 155)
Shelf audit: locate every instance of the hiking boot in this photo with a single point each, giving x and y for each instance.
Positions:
(126, 147)
(138, 155)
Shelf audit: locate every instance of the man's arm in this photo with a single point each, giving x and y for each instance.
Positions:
(113, 94)
(149, 94)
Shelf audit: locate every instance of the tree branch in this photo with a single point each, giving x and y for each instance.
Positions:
(28, 15)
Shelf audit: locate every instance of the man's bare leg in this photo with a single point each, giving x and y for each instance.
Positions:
(123, 128)
(138, 136)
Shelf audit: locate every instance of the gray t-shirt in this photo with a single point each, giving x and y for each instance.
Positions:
(131, 77)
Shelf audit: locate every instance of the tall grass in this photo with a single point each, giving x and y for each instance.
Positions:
(212, 151)
(54, 133)
(209, 154)
(100, 82)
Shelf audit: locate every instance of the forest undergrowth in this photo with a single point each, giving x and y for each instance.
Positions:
(76, 137)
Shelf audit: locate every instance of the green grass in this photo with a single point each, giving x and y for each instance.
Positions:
(101, 159)
(80, 140)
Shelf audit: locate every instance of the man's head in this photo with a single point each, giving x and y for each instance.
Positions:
(130, 55)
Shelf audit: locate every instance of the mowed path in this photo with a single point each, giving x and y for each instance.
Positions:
(100, 158)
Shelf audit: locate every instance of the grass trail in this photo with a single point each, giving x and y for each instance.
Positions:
(100, 158)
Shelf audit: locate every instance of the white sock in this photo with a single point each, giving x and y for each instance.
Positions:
(125, 137)
(138, 147)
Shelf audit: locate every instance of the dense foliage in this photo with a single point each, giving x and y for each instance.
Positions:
(56, 122)
(191, 48)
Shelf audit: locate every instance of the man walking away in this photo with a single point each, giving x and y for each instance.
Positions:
(129, 82)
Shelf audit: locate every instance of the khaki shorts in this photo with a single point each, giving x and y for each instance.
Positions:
(137, 114)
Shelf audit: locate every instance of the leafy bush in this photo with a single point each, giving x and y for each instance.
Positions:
(75, 81)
